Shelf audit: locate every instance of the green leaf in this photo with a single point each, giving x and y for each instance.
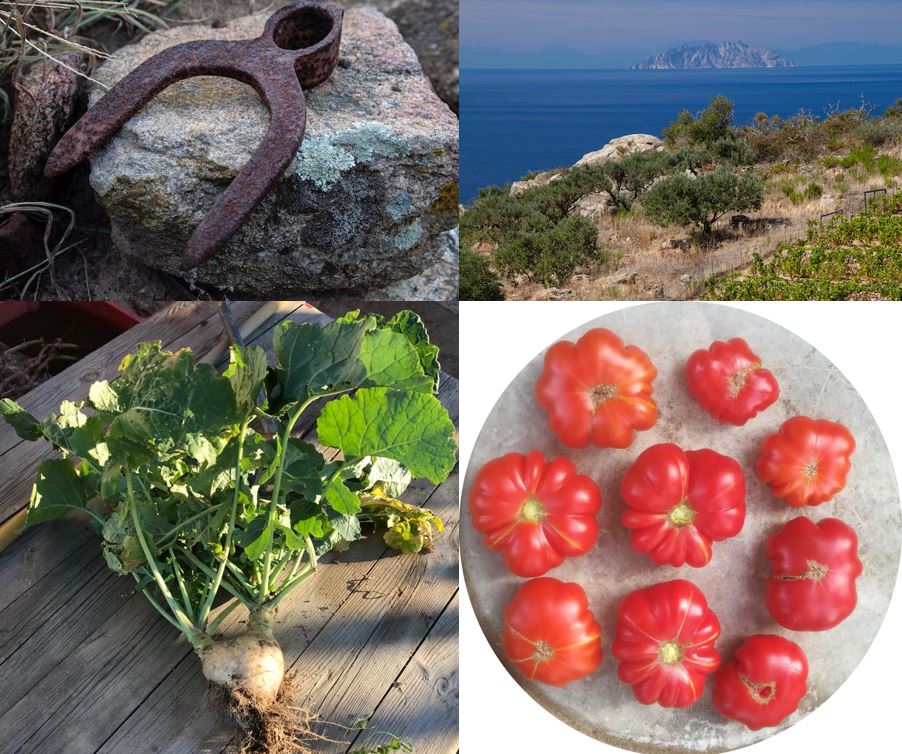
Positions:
(346, 528)
(256, 536)
(392, 361)
(103, 397)
(247, 371)
(307, 518)
(74, 432)
(410, 325)
(314, 360)
(303, 472)
(57, 490)
(412, 428)
(23, 423)
(392, 476)
(341, 498)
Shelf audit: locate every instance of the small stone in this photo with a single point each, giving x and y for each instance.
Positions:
(685, 279)
(45, 104)
(592, 206)
(373, 186)
(555, 294)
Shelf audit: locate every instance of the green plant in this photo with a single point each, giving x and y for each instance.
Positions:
(708, 127)
(702, 201)
(478, 281)
(550, 257)
(198, 506)
(624, 180)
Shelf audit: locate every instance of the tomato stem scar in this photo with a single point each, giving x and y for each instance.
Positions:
(762, 693)
(543, 652)
(602, 393)
(532, 512)
(816, 572)
(682, 514)
(738, 379)
(810, 470)
(670, 652)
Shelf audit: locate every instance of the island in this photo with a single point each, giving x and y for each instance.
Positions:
(714, 55)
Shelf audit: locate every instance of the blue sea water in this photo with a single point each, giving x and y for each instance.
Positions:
(514, 121)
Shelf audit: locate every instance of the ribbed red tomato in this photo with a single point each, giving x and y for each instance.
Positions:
(680, 501)
(535, 513)
(806, 461)
(813, 571)
(665, 643)
(764, 683)
(550, 634)
(597, 390)
(728, 381)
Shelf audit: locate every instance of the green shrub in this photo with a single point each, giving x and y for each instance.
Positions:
(702, 201)
(711, 125)
(550, 257)
(478, 281)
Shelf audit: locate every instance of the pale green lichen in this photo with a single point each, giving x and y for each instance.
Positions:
(409, 236)
(370, 139)
(322, 163)
(323, 160)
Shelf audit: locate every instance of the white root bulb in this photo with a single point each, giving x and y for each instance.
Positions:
(251, 662)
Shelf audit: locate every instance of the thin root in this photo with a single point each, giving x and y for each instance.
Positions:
(277, 727)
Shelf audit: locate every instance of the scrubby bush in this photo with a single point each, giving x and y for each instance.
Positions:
(550, 257)
(711, 125)
(478, 281)
(624, 180)
(702, 201)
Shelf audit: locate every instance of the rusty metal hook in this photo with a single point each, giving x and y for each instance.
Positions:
(297, 50)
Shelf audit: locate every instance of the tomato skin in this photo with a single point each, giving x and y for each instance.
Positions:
(665, 482)
(665, 643)
(727, 380)
(559, 506)
(621, 378)
(813, 572)
(550, 633)
(763, 684)
(806, 461)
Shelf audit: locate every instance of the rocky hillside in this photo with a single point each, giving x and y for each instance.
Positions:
(710, 55)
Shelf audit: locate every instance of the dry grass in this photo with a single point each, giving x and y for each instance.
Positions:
(44, 29)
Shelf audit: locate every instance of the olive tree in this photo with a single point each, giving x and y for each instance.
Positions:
(683, 200)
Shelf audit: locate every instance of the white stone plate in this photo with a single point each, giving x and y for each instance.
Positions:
(602, 706)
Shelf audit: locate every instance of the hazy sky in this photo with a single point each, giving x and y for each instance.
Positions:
(642, 27)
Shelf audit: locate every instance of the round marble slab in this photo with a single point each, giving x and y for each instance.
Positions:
(602, 706)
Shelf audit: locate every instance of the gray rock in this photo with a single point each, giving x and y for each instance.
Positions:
(45, 103)
(620, 147)
(592, 206)
(440, 283)
(541, 179)
(374, 184)
(431, 28)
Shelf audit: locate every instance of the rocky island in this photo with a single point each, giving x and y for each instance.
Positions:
(711, 55)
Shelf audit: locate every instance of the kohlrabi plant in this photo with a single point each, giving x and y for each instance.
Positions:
(199, 505)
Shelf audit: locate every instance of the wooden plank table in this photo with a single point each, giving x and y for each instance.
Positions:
(87, 666)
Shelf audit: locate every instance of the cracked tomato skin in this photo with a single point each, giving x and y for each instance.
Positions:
(680, 501)
(534, 512)
(665, 643)
(806, 461)
(550, 633)
(727, 380)
(597, 390)
(813, 572)
(763, 684)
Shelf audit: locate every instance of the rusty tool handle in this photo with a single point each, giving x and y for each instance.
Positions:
(102, 121)
(276, 152)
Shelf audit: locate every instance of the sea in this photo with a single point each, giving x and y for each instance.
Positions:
(515, 121)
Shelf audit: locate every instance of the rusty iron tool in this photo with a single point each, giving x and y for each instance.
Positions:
(298, 50)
